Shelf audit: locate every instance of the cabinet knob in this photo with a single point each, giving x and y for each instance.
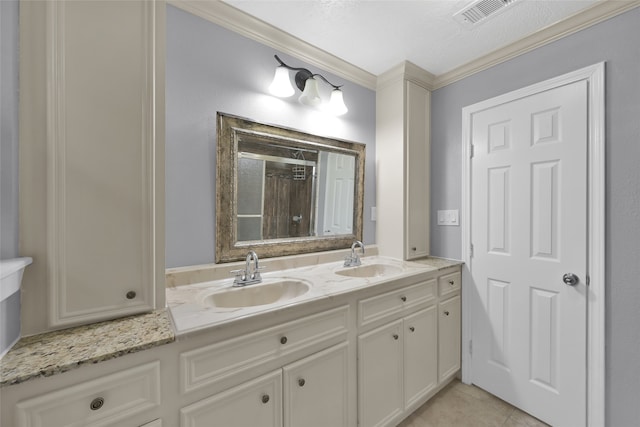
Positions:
(446, 313)
(411, 328)
(301, 382)
(131, 295)
(265, 398)
(451, 282)
(283, 340)
(96, 403)
(404, 299)
(395, 336)
(414, 249)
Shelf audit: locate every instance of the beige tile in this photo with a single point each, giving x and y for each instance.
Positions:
(521, 419)
(486, 397)
(412, 421)
(460, 405)
(455, 408)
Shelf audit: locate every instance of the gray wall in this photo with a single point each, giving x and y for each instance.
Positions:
(616, 41)
(9, 19)
(212, 69)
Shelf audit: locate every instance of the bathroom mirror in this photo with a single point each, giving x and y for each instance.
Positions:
(281, 191)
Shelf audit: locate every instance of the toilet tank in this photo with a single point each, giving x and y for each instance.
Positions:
(10, 279)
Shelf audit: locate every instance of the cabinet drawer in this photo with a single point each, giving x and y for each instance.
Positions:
(392, 303)
(109, 400)
(449, 284)
(204, 366)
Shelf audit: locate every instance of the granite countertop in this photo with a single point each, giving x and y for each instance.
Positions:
(438, 263)
(55, 352)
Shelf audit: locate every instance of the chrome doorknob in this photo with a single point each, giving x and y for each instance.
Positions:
(570, 279)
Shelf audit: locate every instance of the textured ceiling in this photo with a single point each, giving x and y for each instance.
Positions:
(377, 35)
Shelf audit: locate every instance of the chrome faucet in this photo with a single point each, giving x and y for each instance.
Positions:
(353, 260)
(250, 274)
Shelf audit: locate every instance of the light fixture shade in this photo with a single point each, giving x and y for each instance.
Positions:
(310, 96)
(281, 85)
(336, 103)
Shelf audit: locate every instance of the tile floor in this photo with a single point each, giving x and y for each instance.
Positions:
(460, 405)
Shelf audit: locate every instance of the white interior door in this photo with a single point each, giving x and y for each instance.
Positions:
(338, 206)
(528, 229)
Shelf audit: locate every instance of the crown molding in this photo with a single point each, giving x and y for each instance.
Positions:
(418, 75)
(406, 71)
(390, 76)
(235, 20)
(239, 22)
(595, 14)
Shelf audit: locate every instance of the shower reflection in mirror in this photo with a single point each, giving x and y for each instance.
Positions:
(293, 192)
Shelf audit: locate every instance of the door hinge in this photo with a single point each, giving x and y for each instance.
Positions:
(470, 346)
(472, 151)
(471, 251)
(587, 279)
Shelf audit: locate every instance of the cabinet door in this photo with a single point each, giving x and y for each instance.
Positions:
(316, 390)
(420, 355)
(380, 375)
(100, 143)
(448, 338)
(417, 174)
(254, 403)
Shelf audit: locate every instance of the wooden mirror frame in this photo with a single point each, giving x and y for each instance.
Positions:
(228, 248)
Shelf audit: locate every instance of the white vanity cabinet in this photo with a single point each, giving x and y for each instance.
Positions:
(449, 337)
(403, 150)
(91, 160)
(397, 367)
(449, 324)
(310, 392)
(415, 353)
(310, 386)
(368, 358)
(397, 362)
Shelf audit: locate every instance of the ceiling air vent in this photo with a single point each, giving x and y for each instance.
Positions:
(479, 11)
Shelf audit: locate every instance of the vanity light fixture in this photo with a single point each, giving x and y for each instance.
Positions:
(307, 82)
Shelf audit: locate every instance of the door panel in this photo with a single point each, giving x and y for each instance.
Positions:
(528, 228)
(420, 355)
(380, 374)
(255, 403)
(448, 338)
(316, 390)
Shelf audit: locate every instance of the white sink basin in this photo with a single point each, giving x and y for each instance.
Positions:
(11, 275)
(275, 290)
(371, 270)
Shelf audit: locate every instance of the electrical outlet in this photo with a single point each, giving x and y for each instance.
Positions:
(374, 213)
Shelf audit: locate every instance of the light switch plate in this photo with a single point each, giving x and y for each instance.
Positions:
(448, 217)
